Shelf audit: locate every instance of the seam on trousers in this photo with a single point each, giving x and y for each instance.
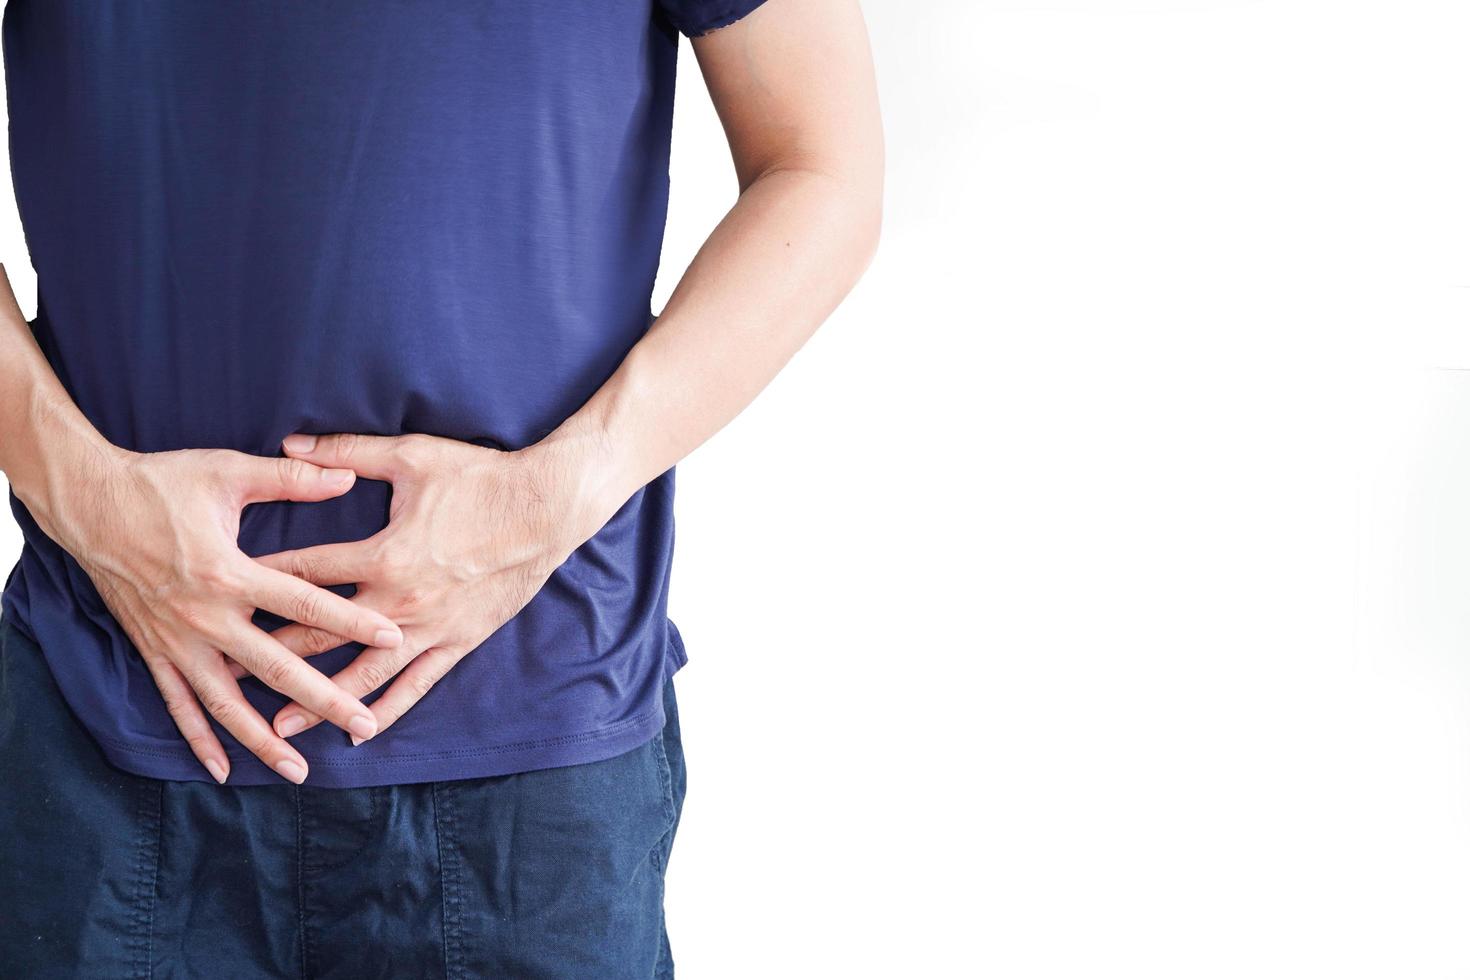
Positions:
(449, 867)
(301, 888)
(145, 875)
(663, 963)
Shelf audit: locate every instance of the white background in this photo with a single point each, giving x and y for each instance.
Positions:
(1092, 597)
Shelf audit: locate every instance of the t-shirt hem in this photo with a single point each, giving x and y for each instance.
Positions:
(419, 767)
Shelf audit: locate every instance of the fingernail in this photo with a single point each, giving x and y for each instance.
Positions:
(362, 727)
(336, 477)
(216, 770)
(292, 770)
(387, 638)
(288, 725)
(298, 443)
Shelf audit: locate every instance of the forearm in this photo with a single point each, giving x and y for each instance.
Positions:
(774, 269)
(46, 443)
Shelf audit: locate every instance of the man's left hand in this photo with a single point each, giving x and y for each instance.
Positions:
(473, 534)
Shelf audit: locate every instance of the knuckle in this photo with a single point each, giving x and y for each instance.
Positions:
(290, 471)
(392, 561)
(344, 446)
(276, 672)
(176, 703)
(215, 574)
(292, 637)
(373, 675)
(413, 450)
(261, 747)
(221, 468)
(336, 706)
(293, 564)
(421, 684)
(155, 654)
(225, 710)
(307, 606)
(309, 567)
(317, 640)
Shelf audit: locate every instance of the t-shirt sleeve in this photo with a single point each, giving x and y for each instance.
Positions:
(697, 17)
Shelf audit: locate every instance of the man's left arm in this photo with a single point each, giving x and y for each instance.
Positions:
(474, 532)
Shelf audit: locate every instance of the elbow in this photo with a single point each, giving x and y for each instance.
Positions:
(872, 225)
(862, 179)
(845, 199)
(866, 209)
(855, 218)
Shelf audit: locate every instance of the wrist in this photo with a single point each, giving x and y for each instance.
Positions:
(73, 477)
(593, 477)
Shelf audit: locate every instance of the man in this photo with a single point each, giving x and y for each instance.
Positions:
(342, 447)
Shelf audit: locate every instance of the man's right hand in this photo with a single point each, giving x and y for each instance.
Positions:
(156, 532)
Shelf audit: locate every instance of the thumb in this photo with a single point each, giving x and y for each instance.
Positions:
(262, 478)
(373, 457)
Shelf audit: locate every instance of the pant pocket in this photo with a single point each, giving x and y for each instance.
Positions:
(559, 872)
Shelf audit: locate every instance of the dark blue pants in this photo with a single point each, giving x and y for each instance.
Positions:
(551, 874)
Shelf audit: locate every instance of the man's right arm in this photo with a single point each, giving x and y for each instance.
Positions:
(156, 533)
(35, 403)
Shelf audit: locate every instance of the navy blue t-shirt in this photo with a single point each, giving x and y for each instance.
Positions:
(262, 217)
